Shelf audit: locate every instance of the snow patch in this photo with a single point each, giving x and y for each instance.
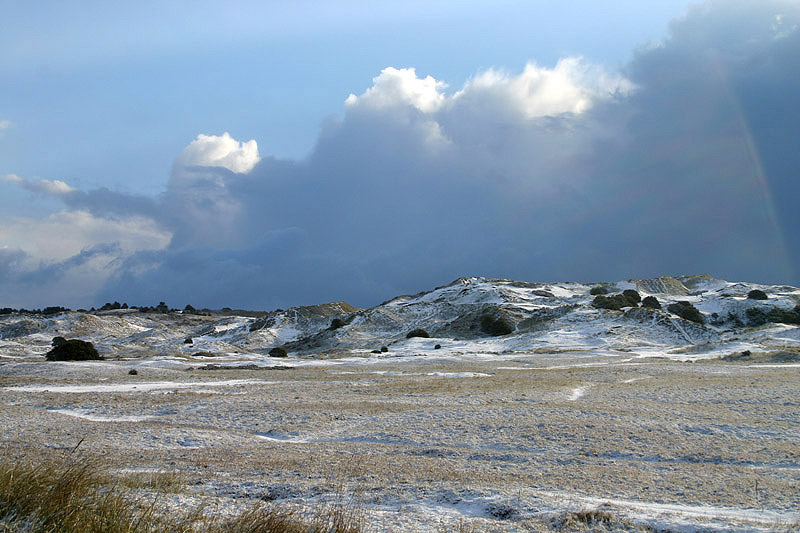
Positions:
(135, 387)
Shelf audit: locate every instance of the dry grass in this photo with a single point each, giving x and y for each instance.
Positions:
(163, 482)
(594, 520)
(65, 497)
(74, 496)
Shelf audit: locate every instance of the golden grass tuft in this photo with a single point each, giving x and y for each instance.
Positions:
(75, 496)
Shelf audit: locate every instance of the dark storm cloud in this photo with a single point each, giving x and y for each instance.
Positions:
(688, 164)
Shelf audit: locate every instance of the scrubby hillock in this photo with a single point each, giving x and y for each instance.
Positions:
(469, 315)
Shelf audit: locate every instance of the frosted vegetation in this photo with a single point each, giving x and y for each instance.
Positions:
(483, 405)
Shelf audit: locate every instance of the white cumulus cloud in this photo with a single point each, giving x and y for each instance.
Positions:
(221, 151)
(395, 87)
(52, 187)
(572, 86)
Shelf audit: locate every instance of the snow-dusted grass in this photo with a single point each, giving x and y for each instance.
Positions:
(501, 442)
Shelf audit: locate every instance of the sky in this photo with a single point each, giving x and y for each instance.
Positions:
(262, 155)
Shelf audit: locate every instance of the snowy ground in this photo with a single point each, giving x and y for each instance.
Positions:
(490, 441)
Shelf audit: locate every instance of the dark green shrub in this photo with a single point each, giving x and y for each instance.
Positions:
(686, 311)
(651, 302)
(336, 323)
(784, 316)
(133, 372)
(188, 340)
(437, 347)
(54, 310)
(58, 341)
(384, 349)
(419, 332)
(495, 326)
(756, 294)
(278, 352)
(73, 350)
(599, 289)
(614, 303)
(756, 316)
(632, 297)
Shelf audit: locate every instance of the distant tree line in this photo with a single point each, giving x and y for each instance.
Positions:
(108, 306)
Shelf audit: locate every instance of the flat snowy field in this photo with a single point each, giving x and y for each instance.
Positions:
(490, 442)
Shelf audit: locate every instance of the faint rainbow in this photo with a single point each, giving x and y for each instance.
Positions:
(761, 182)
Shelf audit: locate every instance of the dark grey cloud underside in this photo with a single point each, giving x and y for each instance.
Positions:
(665, 181)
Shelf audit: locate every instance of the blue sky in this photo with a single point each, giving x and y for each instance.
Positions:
(214, 155)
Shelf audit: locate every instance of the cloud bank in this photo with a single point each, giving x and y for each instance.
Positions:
(683, 162)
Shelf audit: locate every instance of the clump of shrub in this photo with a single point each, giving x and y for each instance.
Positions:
(336, 323)
(628, 298)
(632, 296)
(785, 316)
(758, 317)
(418, 332)
(384, 349)
(651, 302)
(495, 326)
(614, 303)
(686, 311)
(278, 352)
(599, 289)
(437, 347)
(757, 294)
(72, 350)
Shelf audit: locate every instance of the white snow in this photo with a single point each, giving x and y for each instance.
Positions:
(87, 415)
(458, 374)
(577, 393)
(135, 387)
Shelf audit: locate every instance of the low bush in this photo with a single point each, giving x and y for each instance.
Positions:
(72, 350)
(632, 297)
(599, 289)
(785, 316)
(337, 323)
(384, 349)
(686, 311)
(651, 302)
(419, 332)
(495, 327)
(615, 302)
(278, 352)
(756, 316)
(757, 294)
